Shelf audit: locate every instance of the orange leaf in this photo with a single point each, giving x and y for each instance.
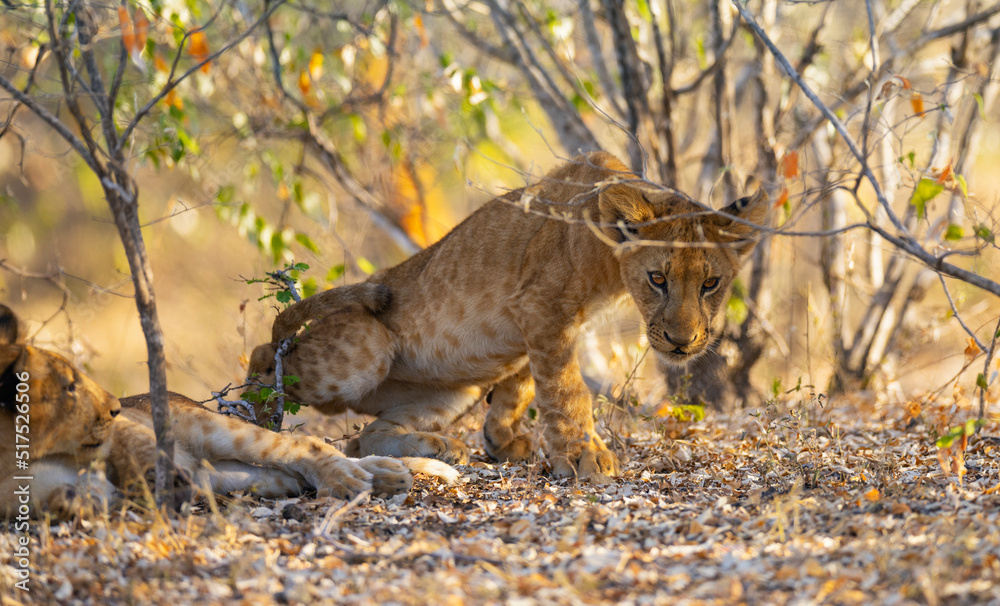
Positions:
(418, 22)
(782, 198)
(172, 100)
(304, 84)
(945, 174)
(316, 64)
(198, 48)
(917, 103)
(906, 83)
(790, 165)
(873, 495)
(128, 35)
(971, 351)
(141, 29)
(160, 63)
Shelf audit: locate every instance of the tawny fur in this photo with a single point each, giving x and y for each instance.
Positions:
(498, 303)
(76, 426)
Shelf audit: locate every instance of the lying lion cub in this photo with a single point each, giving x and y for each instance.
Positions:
(58, 422)
(495, 307)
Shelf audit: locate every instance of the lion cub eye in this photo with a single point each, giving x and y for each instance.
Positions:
(710, 284)
(657, 279)
(71, 388)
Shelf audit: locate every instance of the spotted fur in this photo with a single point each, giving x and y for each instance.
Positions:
(498, 303)
(75, 427)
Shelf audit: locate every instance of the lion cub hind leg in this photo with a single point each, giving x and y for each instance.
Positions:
(339, 360)
(405, 430)
(502, 432)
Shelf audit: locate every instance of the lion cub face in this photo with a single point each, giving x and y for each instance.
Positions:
(680, 287)
(68, 412)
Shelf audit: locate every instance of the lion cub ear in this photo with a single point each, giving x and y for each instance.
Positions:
(752, 212)
(9, 355)
(622, 206)
(8, 326)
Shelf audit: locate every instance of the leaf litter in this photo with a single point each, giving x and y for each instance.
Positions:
(793, 503)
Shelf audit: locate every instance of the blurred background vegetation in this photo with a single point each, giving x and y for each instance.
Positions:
(349, 136)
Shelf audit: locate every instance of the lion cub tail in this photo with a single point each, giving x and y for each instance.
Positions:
(373, 297)
(432, 467)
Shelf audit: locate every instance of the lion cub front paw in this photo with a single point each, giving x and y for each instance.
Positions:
(518, 449)
(389, 476)
(585, 459)
(342, 478)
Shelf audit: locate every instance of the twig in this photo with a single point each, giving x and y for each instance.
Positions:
(332, 515)
(986, 370)
(954, 311)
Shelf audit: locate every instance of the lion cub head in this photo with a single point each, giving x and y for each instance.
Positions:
(678, 260)
(66, 411)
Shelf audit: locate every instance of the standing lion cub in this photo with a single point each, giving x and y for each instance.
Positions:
(495, 307)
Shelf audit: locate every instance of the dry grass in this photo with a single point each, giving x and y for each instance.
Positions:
(799, 502)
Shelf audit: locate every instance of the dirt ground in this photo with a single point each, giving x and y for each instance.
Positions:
(807, 501)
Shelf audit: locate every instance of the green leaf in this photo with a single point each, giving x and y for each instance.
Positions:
(962, 184)
(685, 413)
(225, 194)
(366, 266)
(290, 379)
(924, 192)
(984, 233)
(283, 296)
(910, 157)
(981, 382)
(309, 287)
(644, 11)
(776, 387)
(700, 52)
(954, 232)
(979, 102)
(189, 144)
(358, 125)
(300, 267)
(967, 429)
(335, 272)
(307, 242)
(736, 310)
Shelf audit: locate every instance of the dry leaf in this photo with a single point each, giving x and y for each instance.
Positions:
(198, 48)
(790, 165)
(128, 35)
(972, 350)
(782, 198)
(316, 65)
(304, 83)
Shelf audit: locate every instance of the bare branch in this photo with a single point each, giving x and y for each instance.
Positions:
(53, 122)
(903, 239)
(958, 316)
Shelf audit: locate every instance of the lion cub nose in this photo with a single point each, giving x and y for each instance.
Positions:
(679, 343)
